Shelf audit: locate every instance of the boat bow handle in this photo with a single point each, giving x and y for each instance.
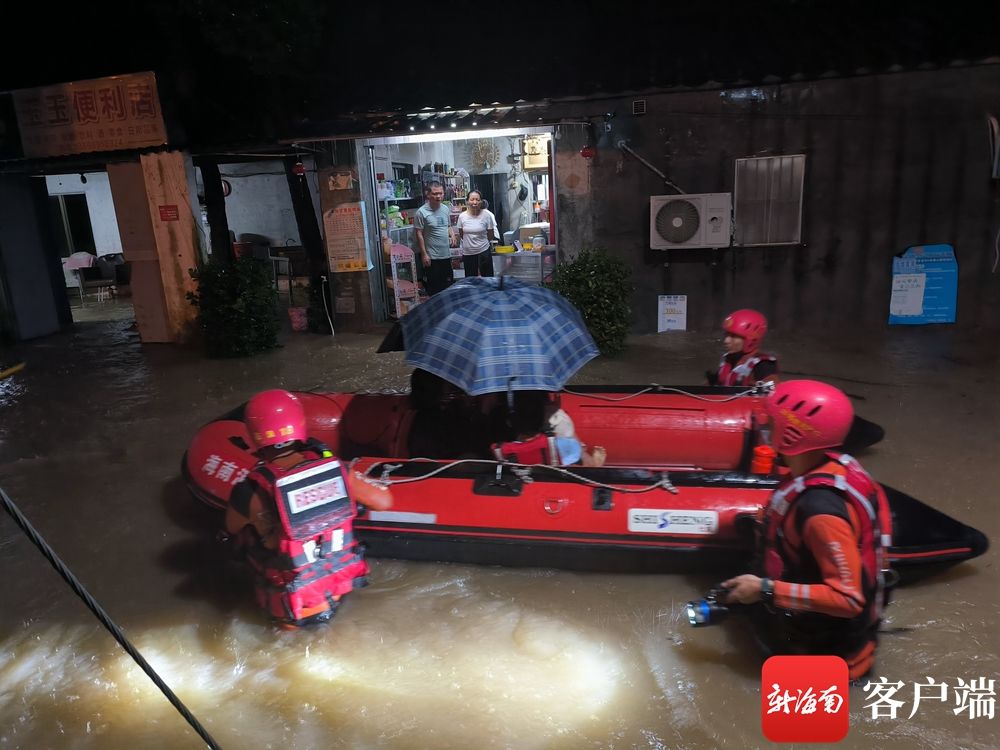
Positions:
(555, 505)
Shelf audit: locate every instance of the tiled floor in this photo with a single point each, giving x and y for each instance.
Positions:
(91, 310)
(120, 308)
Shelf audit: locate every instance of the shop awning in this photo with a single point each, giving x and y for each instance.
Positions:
(475, 116)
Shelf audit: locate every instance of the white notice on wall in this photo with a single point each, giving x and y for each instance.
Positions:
(671, 312)
(907, 294)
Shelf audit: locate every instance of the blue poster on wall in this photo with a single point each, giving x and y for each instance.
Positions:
(924, 286)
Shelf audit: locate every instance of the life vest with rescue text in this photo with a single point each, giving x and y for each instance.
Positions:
(873, 530)
(317, 559)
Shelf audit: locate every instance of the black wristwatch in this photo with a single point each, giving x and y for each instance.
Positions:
(767, 590)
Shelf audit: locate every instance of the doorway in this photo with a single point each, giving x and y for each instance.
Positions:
(95, 272)
(510, 168)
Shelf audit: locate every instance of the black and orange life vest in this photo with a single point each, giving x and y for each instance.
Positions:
(873, 531)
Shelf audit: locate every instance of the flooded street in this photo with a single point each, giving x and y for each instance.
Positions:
(436, 655)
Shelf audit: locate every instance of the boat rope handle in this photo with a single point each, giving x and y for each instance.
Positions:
(522, 473)
(520, 470)
(759, 389)
(387, 469)
(106, 621)
(656, 388)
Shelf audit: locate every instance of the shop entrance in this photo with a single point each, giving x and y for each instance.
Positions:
(511, 169)
(96, 274)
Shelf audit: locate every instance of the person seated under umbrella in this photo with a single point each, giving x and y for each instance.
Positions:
(449, 424)
(530, 441)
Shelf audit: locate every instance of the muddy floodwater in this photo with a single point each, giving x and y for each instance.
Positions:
(436, 655)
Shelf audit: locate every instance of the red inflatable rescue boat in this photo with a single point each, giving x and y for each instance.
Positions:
(676, 494)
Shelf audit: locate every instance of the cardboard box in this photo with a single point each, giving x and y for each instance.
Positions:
(924, 286)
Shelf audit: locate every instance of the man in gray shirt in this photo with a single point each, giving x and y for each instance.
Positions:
(435, 239)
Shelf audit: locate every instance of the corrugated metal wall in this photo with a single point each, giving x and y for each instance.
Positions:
(891, 161)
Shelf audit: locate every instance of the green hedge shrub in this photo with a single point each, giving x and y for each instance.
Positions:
(237, 307)
(599, 286)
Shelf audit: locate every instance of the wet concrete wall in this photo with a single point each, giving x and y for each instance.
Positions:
(892, 161)
(100, 206)
(259, 203)
(32, 282)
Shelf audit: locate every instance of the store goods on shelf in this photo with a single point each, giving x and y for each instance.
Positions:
(397, 190)
(455, 184)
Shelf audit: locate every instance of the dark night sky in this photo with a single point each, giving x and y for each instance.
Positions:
(245, 69)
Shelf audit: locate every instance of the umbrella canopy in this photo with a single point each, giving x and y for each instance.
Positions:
(496, 334)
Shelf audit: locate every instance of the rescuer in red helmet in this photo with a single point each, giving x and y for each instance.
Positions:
(744, 363)
(292, 516)
(827, 530)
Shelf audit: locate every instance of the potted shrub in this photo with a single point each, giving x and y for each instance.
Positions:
(598, 286)
(236, 307)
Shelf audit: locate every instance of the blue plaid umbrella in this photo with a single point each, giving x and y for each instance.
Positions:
(487, 335)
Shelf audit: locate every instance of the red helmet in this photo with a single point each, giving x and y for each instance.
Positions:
(275, 417)
(749, 325)
(808, 415)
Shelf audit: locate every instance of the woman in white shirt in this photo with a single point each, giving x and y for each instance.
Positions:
(476, 227)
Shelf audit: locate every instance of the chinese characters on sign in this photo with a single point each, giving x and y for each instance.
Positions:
(805, 698)
(169, 213)
(671, 312)
(924, 286)
(804, 702)
(225, 471)
(907, 294)
(347, 237)
(975, 698)
(104, 114)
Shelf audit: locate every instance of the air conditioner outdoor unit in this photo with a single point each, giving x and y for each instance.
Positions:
(689, 220)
